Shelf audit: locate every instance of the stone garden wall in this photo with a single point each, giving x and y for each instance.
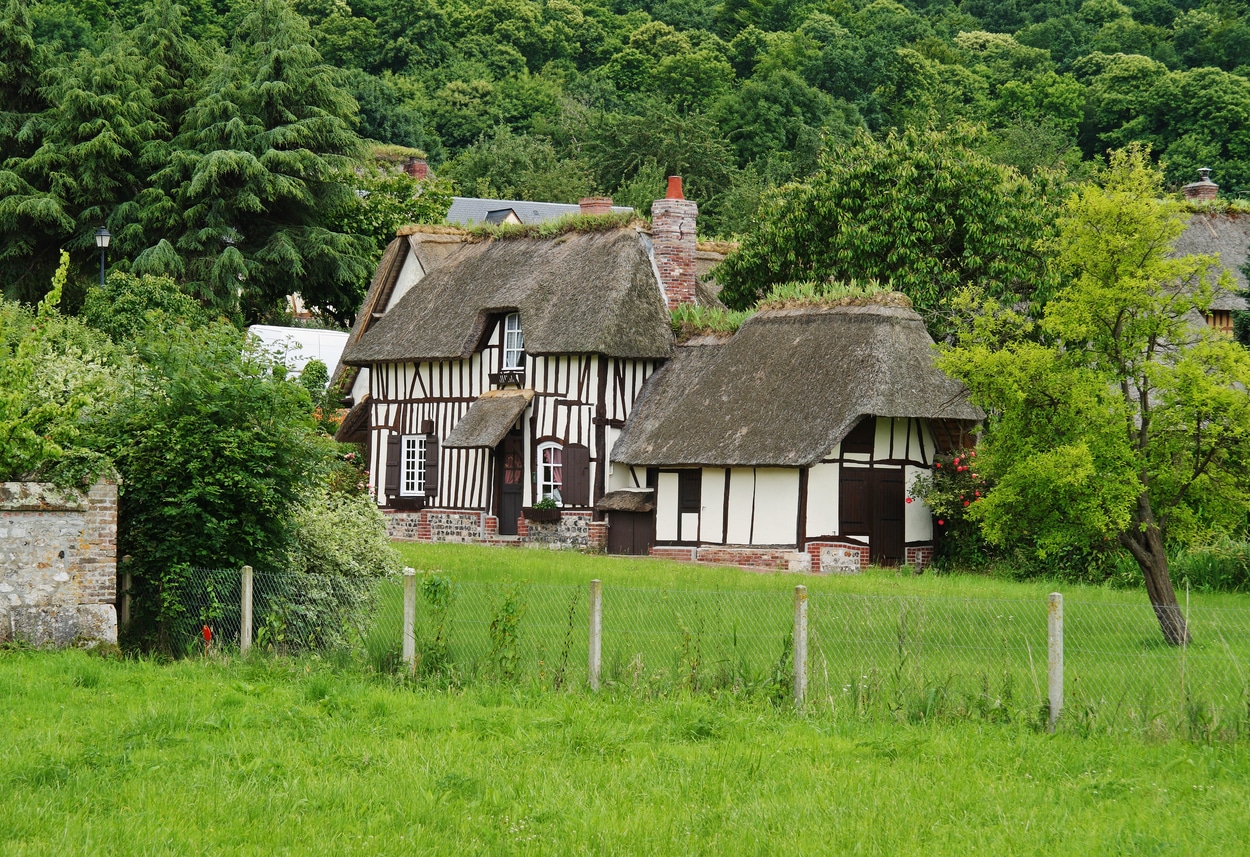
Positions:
(58, 563)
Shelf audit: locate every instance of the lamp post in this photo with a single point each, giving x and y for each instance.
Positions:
(102, 238)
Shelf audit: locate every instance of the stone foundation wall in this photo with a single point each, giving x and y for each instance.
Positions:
(571, 531)
(58, 563)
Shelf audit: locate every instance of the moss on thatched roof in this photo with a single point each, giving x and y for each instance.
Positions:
(580, 292)
(787, 387)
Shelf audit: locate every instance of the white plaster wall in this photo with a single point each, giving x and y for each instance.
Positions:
(822, 500)
(713, 511)
(666, 508)
(776, 506)
(741, 505)
(917, 519)
(411, 274)
(881, 443)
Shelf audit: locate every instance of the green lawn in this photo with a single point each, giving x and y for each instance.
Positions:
(221, 756)
(896, 645)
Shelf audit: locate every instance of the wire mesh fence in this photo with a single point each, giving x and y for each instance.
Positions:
(901, 657)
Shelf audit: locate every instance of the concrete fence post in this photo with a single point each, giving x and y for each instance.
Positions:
(410, 620)
(245, 613)
(800, 644)
(1054, 660)
(596, 633)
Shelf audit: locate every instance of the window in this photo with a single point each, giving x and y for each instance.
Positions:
(412, 467)
(513, 342)
(550, 471)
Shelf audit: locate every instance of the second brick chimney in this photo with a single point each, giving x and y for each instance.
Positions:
(673, 238)
(595, 205)
(1202, 189)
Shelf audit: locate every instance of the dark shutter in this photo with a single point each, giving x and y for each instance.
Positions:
(431, 466)
(394, 452)
(853, 501)
(576, 488)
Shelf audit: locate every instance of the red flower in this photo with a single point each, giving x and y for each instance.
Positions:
(208, 634)
(965, 502)
(938, 464)
(908, 499)
(941, 523)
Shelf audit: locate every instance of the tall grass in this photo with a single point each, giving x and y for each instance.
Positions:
(297, 756)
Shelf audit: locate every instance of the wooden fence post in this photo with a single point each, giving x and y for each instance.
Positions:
(245, 614)
(127, 583)
(1054, 660)
(800, 644)
(596, 633)
(410, 620)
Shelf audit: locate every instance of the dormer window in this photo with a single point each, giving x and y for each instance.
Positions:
(513, 343)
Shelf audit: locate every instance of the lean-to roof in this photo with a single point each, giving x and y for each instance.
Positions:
(787, 387)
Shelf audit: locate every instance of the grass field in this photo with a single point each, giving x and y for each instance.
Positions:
(223, 756)
(898, 646)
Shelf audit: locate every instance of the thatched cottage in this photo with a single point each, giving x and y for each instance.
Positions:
(529, 389)
(793, 442)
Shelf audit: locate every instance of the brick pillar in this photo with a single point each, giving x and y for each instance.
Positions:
(417, 168)
(97, 578)
(673, 238)
(597, 535)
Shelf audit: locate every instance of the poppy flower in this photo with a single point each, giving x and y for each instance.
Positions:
(208, 634)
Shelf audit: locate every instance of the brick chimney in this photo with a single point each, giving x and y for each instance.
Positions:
(595, 205)
(673, 239)
(1203, 189)
(417, 168)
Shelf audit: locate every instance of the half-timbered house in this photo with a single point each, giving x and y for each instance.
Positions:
(491, 376)
(792, 443)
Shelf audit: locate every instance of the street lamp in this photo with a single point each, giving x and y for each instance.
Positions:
(102, 238)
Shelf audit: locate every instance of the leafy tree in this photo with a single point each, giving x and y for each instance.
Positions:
(127, 307)
(387, 200)
(510, 166)
(56, 386)
(1120, 415)
(923, 210)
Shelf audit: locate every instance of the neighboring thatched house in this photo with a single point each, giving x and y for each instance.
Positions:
(1226, 234)
(791, 443)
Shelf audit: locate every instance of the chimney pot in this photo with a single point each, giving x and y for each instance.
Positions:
(595, 205)
(674, 188)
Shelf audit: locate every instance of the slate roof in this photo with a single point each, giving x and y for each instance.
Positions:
(468, 211)
(787, 387)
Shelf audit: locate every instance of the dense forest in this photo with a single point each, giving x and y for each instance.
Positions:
(211, 137)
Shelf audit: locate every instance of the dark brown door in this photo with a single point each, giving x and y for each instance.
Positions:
(510, 455)
(631, 533)
(887, 539)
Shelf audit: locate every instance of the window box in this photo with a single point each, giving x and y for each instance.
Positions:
(541, 516)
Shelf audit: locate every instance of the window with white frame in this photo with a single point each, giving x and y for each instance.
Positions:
(412, 466)
(550, 471)
(513, 342)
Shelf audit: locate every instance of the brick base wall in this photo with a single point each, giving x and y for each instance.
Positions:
(573, 530)
(920, 557)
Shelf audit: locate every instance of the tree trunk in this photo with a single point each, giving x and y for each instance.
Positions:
(1145, 543)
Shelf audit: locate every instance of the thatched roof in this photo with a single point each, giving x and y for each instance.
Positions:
(1227, 234)
(787, 387)
(577, 293)
(488, 419)
(627, 500)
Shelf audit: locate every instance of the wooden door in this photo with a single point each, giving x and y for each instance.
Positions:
(887, 540)
(631, 533)
(510, 459)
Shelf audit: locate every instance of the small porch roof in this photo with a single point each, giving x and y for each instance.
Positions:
(488, 419)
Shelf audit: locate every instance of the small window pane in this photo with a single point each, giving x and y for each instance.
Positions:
(513, 342)
(413, 467)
